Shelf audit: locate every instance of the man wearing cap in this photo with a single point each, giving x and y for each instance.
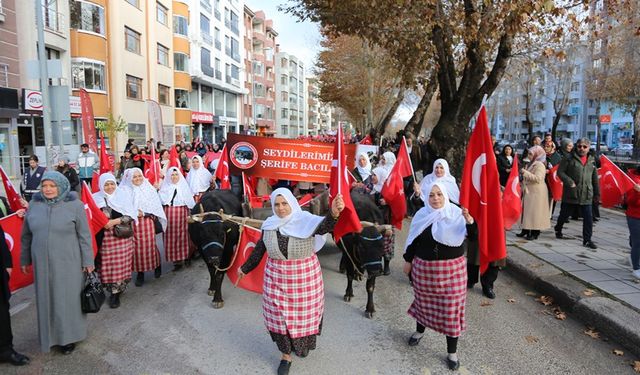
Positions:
(88, 162)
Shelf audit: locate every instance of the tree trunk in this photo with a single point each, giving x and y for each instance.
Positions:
(554, 126)
(451, 135)
(415, 123)
(384, 122)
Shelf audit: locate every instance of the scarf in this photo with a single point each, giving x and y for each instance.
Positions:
(299, 224)
(183, 194)
(199, 179)
(389, 160)
(538, 154)
(365, 171)
(448, 226)
(61, 182)
(145, 196)
(381, 174)
(448, 181)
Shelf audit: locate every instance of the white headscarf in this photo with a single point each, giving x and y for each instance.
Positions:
(119, 201)
(447, 180)
(145, 196)
(199, 179)
(448, 226)
(389, 160)
(365, 171)
(299, 224)
(381, 173)
(101, 197)
(184, 196)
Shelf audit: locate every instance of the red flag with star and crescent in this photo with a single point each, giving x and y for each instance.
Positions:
(97, 218)
(393, 188)
(12, 227)
(480, 193)
(512, 196)
(222, 172)
(254, 280)
(339, 183)
(614, 183)
(12, 194)
(555, 183)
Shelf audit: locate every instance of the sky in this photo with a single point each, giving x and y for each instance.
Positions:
(301, 39)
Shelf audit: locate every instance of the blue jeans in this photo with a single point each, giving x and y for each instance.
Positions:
(634, 241)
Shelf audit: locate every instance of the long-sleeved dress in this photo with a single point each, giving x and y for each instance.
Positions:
(292, 267)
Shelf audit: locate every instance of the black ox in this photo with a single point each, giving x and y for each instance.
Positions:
(216, 238)
(363, 251)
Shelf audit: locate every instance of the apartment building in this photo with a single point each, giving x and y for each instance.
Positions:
(258, 107)
(9, 85)
(291, 116)
(217, 45)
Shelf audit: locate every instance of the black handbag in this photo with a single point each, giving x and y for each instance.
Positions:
(157, 225)
(93, 295)
(125, 229)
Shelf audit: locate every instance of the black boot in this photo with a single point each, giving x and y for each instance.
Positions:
(177, 266)
(157, 272)
(140, 279)
(386, 271)
(284, 367)
(114, 300)
(523, 233)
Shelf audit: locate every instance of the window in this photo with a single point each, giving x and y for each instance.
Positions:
(131, 40)
(137, 132)
(285, 130)
(205, 24)
(4, 75)
(182, 98)
(284, 79)
(162, 14)
(216, 38)
(233, 18)
(235, 50)
(575, 86)
(235, 72)
(88, 75)
(180, 26)
(163, 55)
(181, 62)
(231, 104)
(134, 87)
(87, 17)
(135, 3)
(164, 94)
(218, 101)
(597, 64)
(205, 62)
(218, 71)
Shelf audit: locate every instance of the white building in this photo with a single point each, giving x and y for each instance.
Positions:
(217, 50)
(291, 115)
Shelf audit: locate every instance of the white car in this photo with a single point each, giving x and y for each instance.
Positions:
(625, 149)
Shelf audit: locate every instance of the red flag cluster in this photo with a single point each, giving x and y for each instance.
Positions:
(480, 192)
(613, 182)
(393, 189)
(12, 227)
(97, 219)
(12, 194)
(222, 172)
(512, 196)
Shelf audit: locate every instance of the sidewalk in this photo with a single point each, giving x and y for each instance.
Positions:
(607, 268)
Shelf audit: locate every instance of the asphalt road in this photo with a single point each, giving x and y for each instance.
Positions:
(169, 327)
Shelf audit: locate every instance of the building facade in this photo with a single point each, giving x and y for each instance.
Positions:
(291, 116)
(9, 86)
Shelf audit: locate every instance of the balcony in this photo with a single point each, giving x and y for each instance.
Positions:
(207, 70)
(206, 5)
(218, 45)
(227, 79)
(206, 37)
(218, 74)
(217, 14)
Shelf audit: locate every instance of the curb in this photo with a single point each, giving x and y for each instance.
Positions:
(609, 316)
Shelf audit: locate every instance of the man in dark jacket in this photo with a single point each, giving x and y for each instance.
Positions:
(580, 189)
(31, 179)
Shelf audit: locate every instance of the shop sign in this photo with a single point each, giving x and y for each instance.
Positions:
(202, 117)
(32, 101)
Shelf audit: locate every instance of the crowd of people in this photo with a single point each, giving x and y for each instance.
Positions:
(440, 255)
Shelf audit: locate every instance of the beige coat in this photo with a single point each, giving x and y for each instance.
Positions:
(535, 210)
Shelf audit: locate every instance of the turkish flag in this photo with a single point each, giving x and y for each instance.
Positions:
(305, 199)
(222, 172)
(366, 140)
(97, 218)
(614, 183)
(191, 154)
(339, 183)
(253, 281)
(152, 167)
(12, 227)
(12, 195)
(512, 196)
(174, 159)
(555, 183)
(393, 188)
(480, 193)
(246, 188)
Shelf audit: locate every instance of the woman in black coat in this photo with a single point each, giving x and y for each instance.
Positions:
(505, 160)
(70, 173)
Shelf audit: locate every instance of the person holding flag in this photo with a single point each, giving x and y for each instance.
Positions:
(293, 298)
(177, 200)
(116, 248)
(535, 213)
(580, 189)
(632, 204)
(435, 262)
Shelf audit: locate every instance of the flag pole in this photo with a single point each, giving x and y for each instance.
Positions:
(340, 171)
(413, 173)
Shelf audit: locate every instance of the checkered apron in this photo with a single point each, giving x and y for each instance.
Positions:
(116, 258)
(293, 297)
(440, 290)
(176, 237)
(145, 255)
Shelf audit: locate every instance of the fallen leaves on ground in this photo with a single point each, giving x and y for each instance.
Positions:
(511, 300)
(636, 366)
(545, 300)
(588, 292)
(559, 314)
(535, 265)
(592, 333)
(531, 294)
(546, 312)
(618, 352)
(531, 339)
(485, 302)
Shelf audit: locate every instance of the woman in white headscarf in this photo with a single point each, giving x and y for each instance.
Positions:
(116, 253)
(387, 160)
(293, 297)
(363, 174)
(198, 178)
(146, 201)
(177, 200)
(441, 175)
(435, 262)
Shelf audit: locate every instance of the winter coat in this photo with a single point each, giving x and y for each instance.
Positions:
(535, 211)
(56, 240)
(503, 165)
(585, 177)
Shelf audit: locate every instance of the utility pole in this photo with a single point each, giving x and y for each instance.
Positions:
(44, 83)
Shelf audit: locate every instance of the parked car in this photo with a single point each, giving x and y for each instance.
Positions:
(604, 149)
(625, 149)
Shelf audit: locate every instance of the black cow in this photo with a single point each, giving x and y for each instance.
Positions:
(363, 252)
(216, 238)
